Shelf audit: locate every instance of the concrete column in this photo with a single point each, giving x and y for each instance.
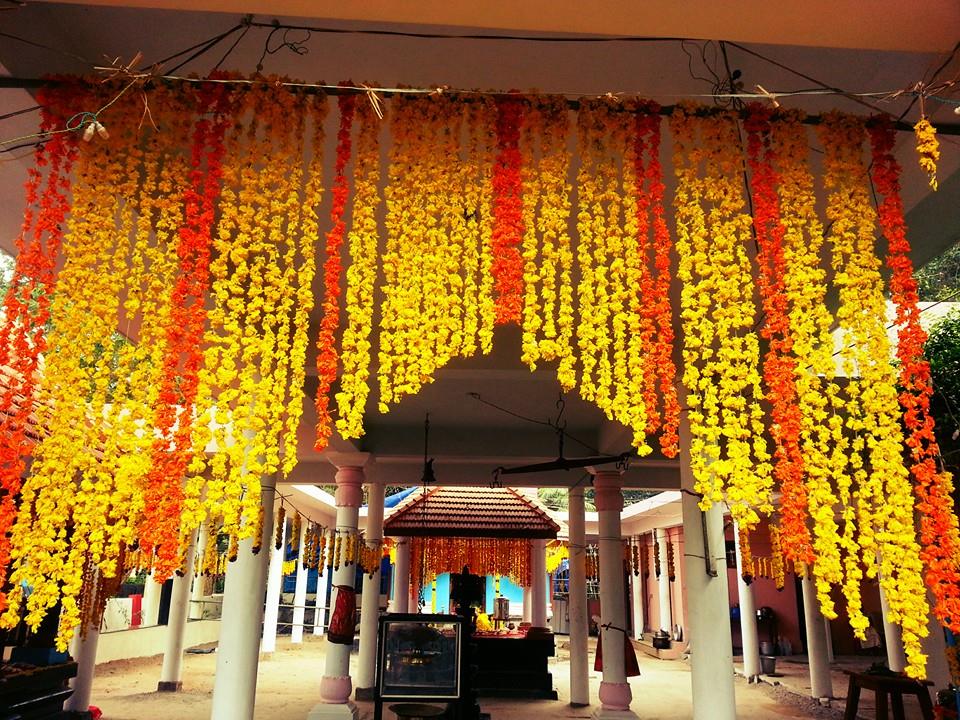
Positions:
(748, 619)
(196, 590)
(538, 592)
(577, 603)
(527, 605)
(892, 637)
(235, 684)
(663, 583)
(820, 683)
(401, 577)
(711, 662)
(271, 613)
(84, 652)
(934, 646)
(636, 596)
(171, 673)
(300, 589)
(323, 585)
(615, 694)
(370, 599)
(150, 605)
(828, 634)
(336, 684)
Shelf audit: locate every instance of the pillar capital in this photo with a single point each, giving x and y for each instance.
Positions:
(350, 481)
(606, 487)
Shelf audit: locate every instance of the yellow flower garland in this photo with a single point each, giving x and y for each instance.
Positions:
(361, 276)
(883, 502)
(728, 452)
(928, 148)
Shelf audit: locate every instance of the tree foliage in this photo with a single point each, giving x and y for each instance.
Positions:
(943, 352)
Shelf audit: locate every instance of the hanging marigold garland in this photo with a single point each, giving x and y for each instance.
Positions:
(746, 555)
(26, 305)
(433, 556)
(361, 276)
(507, 265)
(939, 536)
(779, 365)
(671, 561)
(883, 500)
(728, 453)
(777, 557)
(327, 359)
(183, 356)
(928, 148)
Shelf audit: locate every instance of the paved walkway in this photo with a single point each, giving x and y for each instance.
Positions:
(288, 687)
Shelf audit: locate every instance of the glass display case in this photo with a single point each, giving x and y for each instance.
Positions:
(420, 657)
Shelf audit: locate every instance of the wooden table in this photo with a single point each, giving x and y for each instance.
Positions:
(894, 686)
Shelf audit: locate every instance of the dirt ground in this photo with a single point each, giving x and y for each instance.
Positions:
(288, 682)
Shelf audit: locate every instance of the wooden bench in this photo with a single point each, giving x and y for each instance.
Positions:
(894, 686)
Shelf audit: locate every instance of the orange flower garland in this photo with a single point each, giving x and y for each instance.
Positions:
(507, 266)
(779, 366)
(163, 495)
(928, 148)
(433, 556)
(939, 536)
(26, 306)
(332, 269)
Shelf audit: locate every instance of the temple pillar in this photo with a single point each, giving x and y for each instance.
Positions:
(150, 605)
(748, 619)
(636, 596)
(401, 577)
(84, 652)
(300, 589)
(336, 684)
(370, 599)
(705, 573)
(821, 686)
(663, 583)
(527, 604)
(196, 590)
(538, 590)
(892, 637)
(238, 652)
(577, 601)
(615, 694)
(171, 673)
(271, 613)
(325, 575)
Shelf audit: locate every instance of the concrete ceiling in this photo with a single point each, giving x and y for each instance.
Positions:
(883, 46)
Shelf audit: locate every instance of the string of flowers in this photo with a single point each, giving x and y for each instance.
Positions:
(823, 441)
(26, 305)
(928, 148)
(183, 356)
(361, 276)
(746, 555)
(777, 557)
(507, 266)
(939, 536)
(779, 365)
(655, 311)
(728, 452)
(433, 556)
(327, 359)
(883, 501)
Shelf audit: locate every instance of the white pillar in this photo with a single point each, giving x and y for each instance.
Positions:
(323, 585)
(336, 684)
(663, 583)
(84, 652)
(271, 613)
(711, 661)
(300, 590)
(171, 673)
(401, 577)
(828, 634)
(748, 618)
(892, 637)
(150, 605)
(934, 646)
(820, 683)
(615, 694)
(370, 599)
(527, 604)
(538, 592)
(577, 603)
(196, 591)
(235, 683)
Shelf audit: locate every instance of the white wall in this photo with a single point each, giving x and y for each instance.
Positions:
(150, 641)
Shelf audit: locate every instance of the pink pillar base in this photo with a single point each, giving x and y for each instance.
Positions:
(335, 690)
(615, 696)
